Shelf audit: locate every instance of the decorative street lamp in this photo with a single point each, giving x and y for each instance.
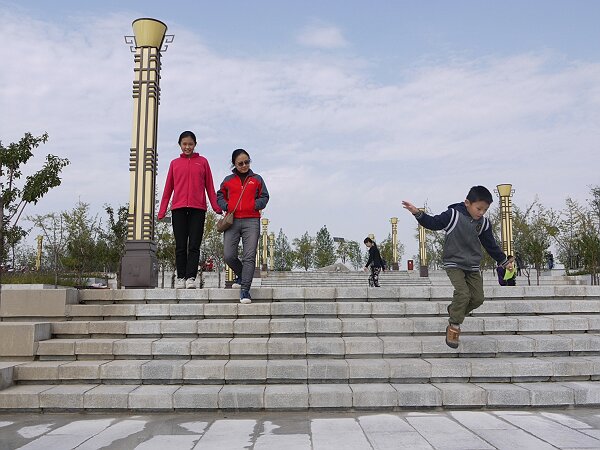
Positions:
(423, 267)
(505, 192)
(272, 251)
(38, 258)
(139, 266)
(228, 277)
(265, 243)
(394, 222)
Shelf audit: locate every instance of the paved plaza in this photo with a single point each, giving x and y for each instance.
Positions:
(461, 430)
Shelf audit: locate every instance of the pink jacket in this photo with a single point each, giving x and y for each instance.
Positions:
(187, 180)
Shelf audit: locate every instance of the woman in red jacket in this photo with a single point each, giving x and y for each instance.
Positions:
(248, 191)
(188, 178)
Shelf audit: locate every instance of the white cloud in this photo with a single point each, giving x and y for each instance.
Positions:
(321, 36)
(335, 146)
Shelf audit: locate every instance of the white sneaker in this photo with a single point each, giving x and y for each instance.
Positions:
(245, 297)
(190, 283)
(180, 283)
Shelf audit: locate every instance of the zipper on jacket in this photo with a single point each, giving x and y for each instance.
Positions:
(187, 200)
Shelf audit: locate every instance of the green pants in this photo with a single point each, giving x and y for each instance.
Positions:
(468, 293)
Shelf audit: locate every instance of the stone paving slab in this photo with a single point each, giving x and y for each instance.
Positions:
(492, 429)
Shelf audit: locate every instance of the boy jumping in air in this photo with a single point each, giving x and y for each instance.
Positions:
(466, 231)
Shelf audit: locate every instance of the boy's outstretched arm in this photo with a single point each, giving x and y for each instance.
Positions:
(488, 241)
(435, 223)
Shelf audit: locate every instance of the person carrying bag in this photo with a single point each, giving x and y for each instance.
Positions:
(225, 222)
(248, 192)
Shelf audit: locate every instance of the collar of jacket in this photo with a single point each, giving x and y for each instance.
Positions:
(193, 155)
(461, 208)
(248, 174)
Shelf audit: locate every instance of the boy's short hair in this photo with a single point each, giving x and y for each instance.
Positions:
(480, 194)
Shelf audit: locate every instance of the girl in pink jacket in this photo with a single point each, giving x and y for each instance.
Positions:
(188, 179)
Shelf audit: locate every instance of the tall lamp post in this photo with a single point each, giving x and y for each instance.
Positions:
(265, 243)
(272, 251)
(394, 222)
(38, 258)
(139, 266)
(505, 192)
(228, 277)
(423, 267)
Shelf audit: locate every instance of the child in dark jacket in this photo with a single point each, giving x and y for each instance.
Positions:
(467, 230)
(507, 276)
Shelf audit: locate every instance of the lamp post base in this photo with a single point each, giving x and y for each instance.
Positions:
(394, 266)
(424, 271)
(139, 266)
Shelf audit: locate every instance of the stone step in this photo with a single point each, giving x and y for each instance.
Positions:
(103, 296)
(363, 282)
(298, 396)
(287, 371)
(225, 326)
(270, 309)
(316, 347)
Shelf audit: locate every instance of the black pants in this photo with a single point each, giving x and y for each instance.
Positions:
(188, 228)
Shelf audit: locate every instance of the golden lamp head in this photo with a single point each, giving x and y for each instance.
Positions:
(394, 220)
(265, 222)
(504, 190)
(149, 32)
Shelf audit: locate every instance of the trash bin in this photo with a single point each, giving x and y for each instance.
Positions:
(411, 264)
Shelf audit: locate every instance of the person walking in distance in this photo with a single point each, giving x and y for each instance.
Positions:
(467, 230)
(374, 261)
(245, 193)
(188, 179)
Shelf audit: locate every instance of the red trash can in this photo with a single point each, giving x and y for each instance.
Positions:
(411, 264)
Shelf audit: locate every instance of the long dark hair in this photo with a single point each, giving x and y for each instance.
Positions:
(371, 241)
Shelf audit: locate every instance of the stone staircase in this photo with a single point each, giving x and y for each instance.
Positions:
(396, 278)
(300, 348)
(315, 279)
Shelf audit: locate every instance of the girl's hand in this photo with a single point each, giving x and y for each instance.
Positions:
(408, 205)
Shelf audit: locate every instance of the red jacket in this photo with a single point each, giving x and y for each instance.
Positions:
(254, 199)
(187, 180)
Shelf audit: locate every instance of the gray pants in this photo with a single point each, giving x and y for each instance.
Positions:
(249, 231)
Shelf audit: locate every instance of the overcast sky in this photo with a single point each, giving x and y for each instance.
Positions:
(346, 107)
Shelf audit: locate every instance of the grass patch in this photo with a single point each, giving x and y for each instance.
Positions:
(37, 278)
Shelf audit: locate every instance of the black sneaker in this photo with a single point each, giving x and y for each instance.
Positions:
(237, 283)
